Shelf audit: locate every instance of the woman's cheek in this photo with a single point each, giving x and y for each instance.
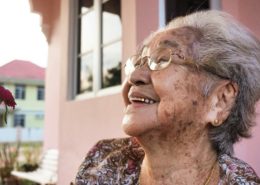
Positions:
(166, 112)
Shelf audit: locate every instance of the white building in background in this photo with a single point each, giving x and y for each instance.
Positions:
(26, 82)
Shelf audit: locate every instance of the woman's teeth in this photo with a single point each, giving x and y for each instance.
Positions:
(144, 100)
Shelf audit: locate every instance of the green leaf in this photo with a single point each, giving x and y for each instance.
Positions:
(5, 114)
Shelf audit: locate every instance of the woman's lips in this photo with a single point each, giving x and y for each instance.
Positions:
(141, 100)
(135, 97)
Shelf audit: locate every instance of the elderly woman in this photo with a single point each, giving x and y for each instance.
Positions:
(189, 93)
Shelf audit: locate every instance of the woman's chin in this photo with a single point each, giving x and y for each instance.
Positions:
(132, 128)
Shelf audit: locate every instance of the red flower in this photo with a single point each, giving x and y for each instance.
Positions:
(7, 97)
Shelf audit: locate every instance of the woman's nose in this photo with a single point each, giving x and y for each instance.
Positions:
(141, 75)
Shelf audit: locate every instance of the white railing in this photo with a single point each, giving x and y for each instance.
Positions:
(22, 134)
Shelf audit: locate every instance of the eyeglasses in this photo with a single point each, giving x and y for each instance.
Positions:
(159, 59)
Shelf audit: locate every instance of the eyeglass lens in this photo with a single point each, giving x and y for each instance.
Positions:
(159, 59)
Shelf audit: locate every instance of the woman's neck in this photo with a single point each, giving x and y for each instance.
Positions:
(186, 159)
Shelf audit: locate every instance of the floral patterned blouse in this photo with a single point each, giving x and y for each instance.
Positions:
(118, 162)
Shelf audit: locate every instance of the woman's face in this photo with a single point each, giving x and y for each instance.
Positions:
(170, 98)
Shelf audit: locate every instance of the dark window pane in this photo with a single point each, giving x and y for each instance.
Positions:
(111, 66)
(86, 34)
(175, 8)
(86, 73)
(85, 5)
(111, 21)
(19, 120)
(20, 92)
(40, 93)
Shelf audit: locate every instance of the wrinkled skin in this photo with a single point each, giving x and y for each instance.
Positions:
(173, 130)
(177, 91)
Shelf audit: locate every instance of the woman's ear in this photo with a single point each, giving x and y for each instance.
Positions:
(222, 99)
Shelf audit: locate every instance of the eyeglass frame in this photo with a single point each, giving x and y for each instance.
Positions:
(135, 63)
(177, 53)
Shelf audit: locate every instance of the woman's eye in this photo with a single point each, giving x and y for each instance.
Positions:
(161, 61)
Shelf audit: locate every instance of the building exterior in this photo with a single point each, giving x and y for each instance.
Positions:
(26, 82)
(89, 41)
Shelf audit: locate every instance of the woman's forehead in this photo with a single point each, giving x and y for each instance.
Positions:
(173, 38)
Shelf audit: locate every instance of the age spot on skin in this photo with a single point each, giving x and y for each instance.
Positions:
(194, 103)
(163, 137)
(187, 35)
(190, 88)
(184, 129)
(176, 86)
(150, 137)
(167, 113)
(189, 123)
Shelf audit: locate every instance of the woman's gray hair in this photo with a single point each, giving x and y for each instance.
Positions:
(227, 49)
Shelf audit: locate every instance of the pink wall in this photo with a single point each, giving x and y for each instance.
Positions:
(138, 23)
(52, 79)
(248, 13)
(52, 109)
(83, 122)
(147, 19)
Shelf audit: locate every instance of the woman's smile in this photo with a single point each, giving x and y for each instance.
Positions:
(141, 108)
(140, 100)
(141, 97)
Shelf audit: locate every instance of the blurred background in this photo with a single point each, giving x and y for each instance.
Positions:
(62, 61)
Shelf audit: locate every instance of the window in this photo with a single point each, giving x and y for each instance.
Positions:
(20, 92)
(39, 116)
(175, 8)
(19, 120)
(99, 45)
(40, 93)
(111, 43)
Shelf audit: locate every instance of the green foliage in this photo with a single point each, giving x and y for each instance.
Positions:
(26, 182)
(30, 153)
(113, 76)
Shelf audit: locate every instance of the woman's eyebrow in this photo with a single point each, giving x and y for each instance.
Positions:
(169, 43)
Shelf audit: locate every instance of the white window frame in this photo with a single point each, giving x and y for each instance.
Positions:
(162, 13)
(97, 81)
(215, 5)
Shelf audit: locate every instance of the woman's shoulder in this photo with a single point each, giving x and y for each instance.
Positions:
(113, 160)
(236, 171)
